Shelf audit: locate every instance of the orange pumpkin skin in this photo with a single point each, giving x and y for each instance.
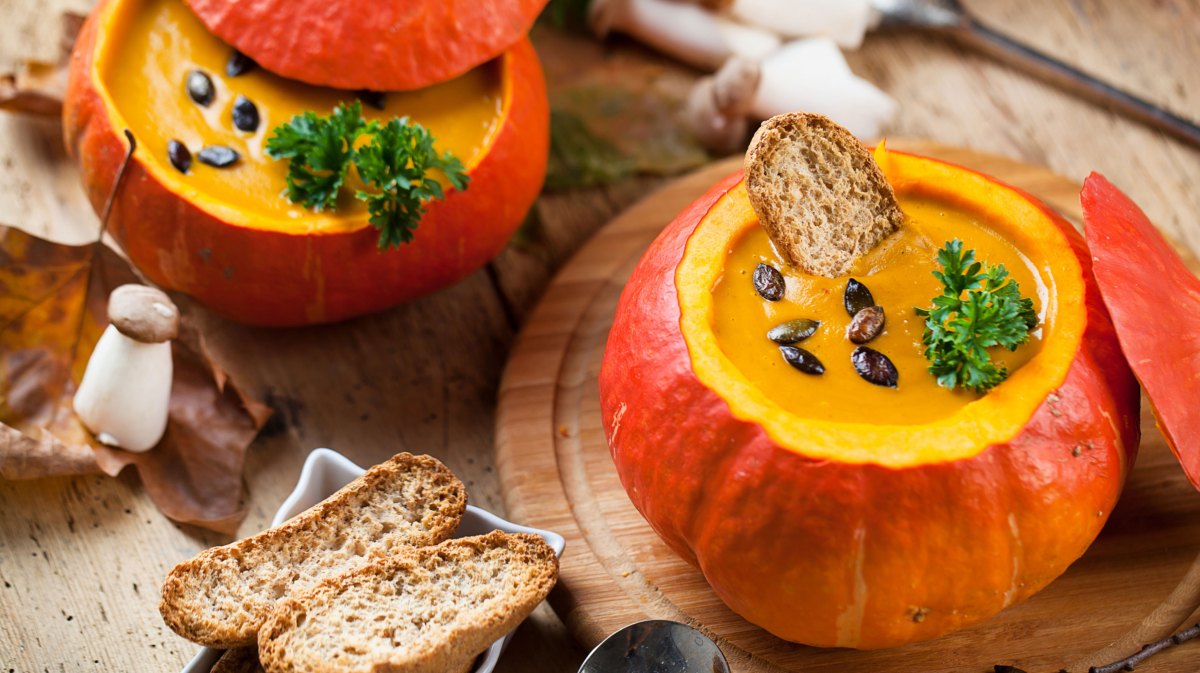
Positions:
(281, 278)
(1155, 313)
(395, 45)
(856, 555)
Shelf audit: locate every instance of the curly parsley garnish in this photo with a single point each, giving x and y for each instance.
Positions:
(394, 165)
(979, 307)
(397, 162)
(319, 150)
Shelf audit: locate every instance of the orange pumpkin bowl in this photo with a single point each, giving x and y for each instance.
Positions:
(853, 534)
(280, 265)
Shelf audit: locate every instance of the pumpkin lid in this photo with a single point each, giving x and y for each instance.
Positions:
(383, 45)
(1154, 301)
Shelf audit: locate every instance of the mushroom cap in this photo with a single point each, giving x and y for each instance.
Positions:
(143, 313)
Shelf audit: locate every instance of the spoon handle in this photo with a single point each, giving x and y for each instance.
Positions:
(1073, 80)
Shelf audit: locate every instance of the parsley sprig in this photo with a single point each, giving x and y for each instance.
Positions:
(398, 162)
(394, 165)
(980, 307)
(319, 150)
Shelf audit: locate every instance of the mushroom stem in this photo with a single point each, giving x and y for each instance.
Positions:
(805, 75)
(681, 30)
(844, 21)
(812, 75)
(125, 393)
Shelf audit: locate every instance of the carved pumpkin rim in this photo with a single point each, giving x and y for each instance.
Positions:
(993, 419)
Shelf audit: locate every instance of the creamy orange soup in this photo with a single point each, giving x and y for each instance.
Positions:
(156, 43)
(898, 273)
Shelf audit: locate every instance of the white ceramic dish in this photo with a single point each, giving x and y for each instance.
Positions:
(326, 471)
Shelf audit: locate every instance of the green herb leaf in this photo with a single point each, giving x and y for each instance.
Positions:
(319, 150)
(980, 307)
(398, 162)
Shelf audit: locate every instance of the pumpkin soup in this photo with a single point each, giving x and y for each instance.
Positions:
(170, 80)
(898, 276)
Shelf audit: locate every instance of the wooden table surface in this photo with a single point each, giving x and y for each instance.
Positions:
(81, 559)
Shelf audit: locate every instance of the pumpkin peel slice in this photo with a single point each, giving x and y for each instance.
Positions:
(1154, 300)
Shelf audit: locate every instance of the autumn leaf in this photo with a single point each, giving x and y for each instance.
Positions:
(614, 120)
(53, 301)
(35, 85)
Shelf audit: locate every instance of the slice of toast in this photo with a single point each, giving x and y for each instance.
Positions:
(422, 610)
(220, 597)
(818, 193)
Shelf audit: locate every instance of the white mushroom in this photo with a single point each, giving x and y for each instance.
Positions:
(126, 389)
(681, 30)
(843, 21)
(805, 75)
(812, 75)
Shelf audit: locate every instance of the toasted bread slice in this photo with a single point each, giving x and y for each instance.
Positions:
(238, 660)
(818, 193)
(422, 610)
(220, 597)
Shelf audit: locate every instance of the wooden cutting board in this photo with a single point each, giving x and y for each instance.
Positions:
(1135, 583)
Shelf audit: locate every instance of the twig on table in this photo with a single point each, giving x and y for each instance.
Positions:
(1147, 651)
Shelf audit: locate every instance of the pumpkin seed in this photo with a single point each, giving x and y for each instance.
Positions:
(218, 156)
(200, 87)
(375, 99)
(793, 330)
(802, 360)
(875, 367)
(239, 64)
(180, 156)
(768, 282)
(857, 297)
(866, 325)
(245, 114)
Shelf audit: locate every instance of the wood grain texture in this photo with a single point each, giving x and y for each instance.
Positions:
(556, 472)
(81, 559)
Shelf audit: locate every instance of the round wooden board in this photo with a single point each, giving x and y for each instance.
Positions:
(1135, 583)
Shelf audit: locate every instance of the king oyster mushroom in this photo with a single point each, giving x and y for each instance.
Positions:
(126, 388)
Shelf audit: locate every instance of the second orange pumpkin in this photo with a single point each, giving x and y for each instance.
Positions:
(259, 259)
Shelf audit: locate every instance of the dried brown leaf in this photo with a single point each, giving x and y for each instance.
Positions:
(34, 89)
(37, 87)
(52, 312)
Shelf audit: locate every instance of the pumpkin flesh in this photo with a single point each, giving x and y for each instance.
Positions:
(858, 534)
(238, 246)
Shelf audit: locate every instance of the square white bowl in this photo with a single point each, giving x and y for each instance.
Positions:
(325, 471)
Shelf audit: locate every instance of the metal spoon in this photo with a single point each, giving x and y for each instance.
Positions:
(951, 18)
(656, 646)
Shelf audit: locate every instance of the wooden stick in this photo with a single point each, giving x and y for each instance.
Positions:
(1183, 600)
(1147, 651)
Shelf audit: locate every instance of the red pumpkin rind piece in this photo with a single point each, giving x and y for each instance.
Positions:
(383, 45)
(282, 278)
(866, 556)
(1154, 301)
